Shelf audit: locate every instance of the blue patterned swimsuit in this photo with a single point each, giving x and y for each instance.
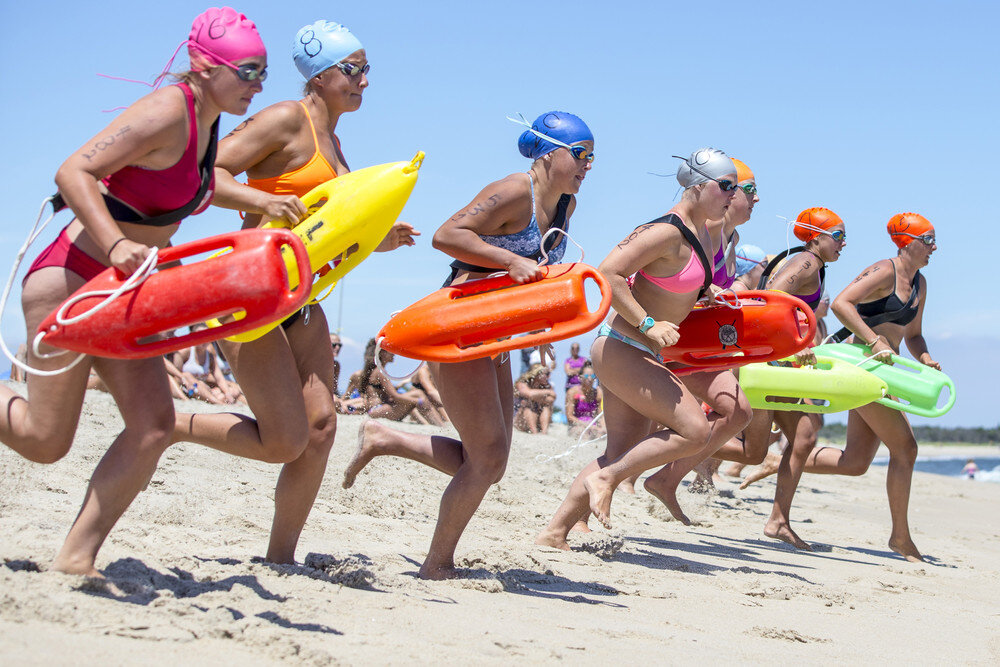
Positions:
(525, 243)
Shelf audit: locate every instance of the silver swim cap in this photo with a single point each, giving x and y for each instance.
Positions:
(704, 165)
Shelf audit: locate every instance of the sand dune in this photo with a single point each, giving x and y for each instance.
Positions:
(185, 581)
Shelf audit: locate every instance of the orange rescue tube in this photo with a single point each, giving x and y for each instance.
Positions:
(768, 325)
(477, 319)
(251, 278)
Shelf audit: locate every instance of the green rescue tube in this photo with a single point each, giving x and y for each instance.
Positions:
(913, 387)
(840, 385)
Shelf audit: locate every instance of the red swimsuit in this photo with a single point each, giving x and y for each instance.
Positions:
(147, 192)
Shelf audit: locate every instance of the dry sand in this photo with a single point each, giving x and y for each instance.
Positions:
(185, 581)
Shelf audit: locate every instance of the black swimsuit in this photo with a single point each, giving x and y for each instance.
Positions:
(888, 309)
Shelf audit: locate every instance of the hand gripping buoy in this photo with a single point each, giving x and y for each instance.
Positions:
(477, 319)
(350, 215)
(913, 387)
(250, 278)
(761, 325)
(833, 386)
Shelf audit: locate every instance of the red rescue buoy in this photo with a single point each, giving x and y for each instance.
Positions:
(477, 318)
(768, 325)
(250, 279)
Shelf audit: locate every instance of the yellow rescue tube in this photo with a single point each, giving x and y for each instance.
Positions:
(355, 212)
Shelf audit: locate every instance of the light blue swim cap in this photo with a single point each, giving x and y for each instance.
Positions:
(320, 46)
(558, 125)
(747, 257)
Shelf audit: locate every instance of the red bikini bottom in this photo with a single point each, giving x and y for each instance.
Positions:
(64, 254)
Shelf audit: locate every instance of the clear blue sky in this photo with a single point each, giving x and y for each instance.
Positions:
(869, 109)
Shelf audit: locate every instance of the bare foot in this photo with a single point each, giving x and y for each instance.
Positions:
(907, 549)
(766, 469)
(732, 470)
(704, 478)
(628, 484)
(784, 532)
(667, 496)
(581, 526)
(438, 572)
(549, 539)
(363, 455)
(72, 566)
(600, 497)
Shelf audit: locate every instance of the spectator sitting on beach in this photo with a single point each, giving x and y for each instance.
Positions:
(534, 410)
(583, 405)
(384, 400)
(573, 366)
(200, 374)
(423, 381)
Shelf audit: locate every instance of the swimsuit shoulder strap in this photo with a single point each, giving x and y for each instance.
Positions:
(672, 219)
(773, 264)
(531, 189)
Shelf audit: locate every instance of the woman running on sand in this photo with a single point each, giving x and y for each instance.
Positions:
(883, 307)
(802, 275)
(129, 188)
(501, 229)
(669, 255)
(287, 375)
(730, 409)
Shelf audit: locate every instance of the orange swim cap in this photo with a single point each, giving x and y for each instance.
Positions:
(813, 219)
(743, 173)
(911, 223)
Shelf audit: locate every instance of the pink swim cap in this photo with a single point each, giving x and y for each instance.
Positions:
(220, 36)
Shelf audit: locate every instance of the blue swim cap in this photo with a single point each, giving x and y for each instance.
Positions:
(320, 46)
(558, 125)
(747, 257)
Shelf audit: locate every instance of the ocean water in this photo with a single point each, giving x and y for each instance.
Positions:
(989, 466)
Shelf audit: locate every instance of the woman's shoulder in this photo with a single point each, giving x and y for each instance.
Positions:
(166, 106)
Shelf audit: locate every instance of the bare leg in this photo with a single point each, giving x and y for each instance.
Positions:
(730, 414)
(801, 429)
(266, 371)
(484, 420)
(866, 426)
(375, 439)
(637, 392)
(142, 393)
(300, 480)
(41, 428)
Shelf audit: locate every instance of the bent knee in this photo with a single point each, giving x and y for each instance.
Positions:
(323, 430)
(906, 454)
(489, 469)
(854, 468)
(742, 412)
(47, 451)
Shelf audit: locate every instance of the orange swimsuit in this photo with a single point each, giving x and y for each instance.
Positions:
(299, 181)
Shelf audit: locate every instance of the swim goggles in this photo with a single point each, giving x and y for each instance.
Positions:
(250, 72)
(579, 151)
(926, 239)
(725, 184)
(749, 188)
(350, 69)
(838, 235)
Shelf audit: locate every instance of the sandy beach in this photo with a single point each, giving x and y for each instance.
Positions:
(185, 582)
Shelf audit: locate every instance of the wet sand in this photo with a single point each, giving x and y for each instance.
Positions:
(185, 581)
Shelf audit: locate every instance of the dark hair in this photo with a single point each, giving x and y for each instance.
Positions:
(369, 366)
